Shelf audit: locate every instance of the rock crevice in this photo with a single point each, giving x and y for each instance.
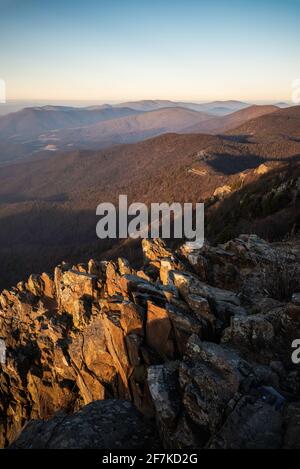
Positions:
(191, 339)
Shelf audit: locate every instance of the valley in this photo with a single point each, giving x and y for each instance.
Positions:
(48, 204)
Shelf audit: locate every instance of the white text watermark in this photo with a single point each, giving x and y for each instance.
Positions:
(296, 352)
(2, 92)
(176, 220)
(2, 352)
(296, 91)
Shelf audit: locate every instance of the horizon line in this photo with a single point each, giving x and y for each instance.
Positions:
(124, 100)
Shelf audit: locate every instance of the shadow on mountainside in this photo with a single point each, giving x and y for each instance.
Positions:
(37, 235)
(35, 241)
(230, 164)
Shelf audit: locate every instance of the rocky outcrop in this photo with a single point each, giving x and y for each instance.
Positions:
(261, 169)
(222, 191)
(193, 340)
(88, 429)
(253, 424)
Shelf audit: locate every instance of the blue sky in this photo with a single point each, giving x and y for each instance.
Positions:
(110, 50)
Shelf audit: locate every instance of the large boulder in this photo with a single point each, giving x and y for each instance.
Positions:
(110, 424)
(251, 425)
(211, 376)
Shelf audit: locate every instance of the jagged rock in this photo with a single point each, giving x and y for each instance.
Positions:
(261, 169)
(223, 304)
(197, 261)
(72, 285)
(191, 397)
(292, 426)
(251, 425)
(251, 248)
(124, 266)
(296, 299)
(91, 361)
(76, 352)
(158, 330)
(111, 424)
(194, 349)
(201, 309)
(164, 389)
(122, 323)
(184, 325)
(159, 257)
(154, 250)
(250, 331)
(210, 377)
(41, 285)
(266, 337)
(2, 352)
(222, 191)
(112, 278)
(166, 266)
(230, 265)
(189, 284)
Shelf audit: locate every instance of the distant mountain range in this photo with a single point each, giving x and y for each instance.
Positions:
(283, 124)
(214, 107)
(129, 129)
(33, 121)
(135, 128)
(36, 131)
(230, 121)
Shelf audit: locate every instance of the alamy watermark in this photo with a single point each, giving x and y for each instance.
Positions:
(2, 352)
(296, 91)
(2, 92)
(176, 220)
(296, 352)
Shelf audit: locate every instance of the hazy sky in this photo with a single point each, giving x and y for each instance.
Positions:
(126, 49)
